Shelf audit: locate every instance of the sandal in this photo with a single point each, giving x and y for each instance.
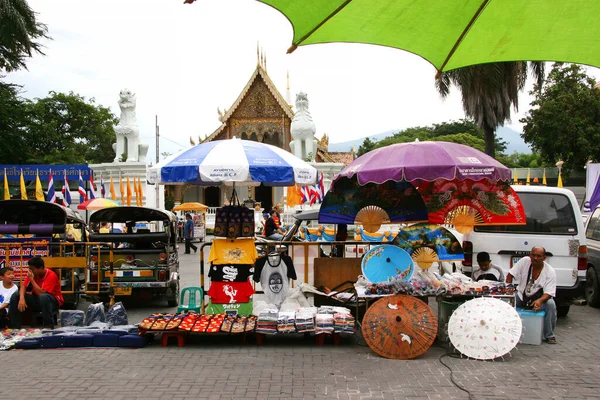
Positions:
(551, 340)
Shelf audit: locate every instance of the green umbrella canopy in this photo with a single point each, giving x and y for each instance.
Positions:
(452, 34)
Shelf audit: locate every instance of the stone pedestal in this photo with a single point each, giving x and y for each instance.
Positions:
(131, 170)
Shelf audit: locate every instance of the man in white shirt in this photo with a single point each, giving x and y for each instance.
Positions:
(533, 274)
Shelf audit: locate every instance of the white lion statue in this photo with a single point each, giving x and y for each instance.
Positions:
(303, 130)
(127, 131)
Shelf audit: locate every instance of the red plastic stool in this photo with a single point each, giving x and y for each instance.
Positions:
(180, 335)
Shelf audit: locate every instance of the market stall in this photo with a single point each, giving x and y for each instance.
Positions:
(198, 212)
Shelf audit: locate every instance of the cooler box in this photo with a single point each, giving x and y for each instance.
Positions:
(533, 326)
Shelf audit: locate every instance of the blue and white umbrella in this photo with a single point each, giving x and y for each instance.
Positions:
(233, 161)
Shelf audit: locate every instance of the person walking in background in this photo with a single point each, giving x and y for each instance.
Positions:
(188, 234)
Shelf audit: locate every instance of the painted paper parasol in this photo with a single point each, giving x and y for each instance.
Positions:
(485, 328)
(372, 204)
(386, 263)
(399, 327)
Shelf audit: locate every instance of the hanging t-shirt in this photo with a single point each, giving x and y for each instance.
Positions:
(5, 293)
(274, 273)
(236, 251)
(230, 292)
(230, 272)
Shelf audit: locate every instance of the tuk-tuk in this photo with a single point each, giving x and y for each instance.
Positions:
(31, 228)
(138, 257)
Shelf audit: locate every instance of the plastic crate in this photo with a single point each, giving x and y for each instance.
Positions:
(533, 326)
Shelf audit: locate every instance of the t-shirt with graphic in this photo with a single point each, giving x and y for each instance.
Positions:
(49, 283)
(5, 293)
(230, 272)
(546, 280)
(494, 273)
(230, 292)
(236, 251)
(274, 273)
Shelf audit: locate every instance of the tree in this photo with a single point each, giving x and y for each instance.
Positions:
(19, 31)
(61, 128)
(564, 121)
(489, 91)
(366, 146)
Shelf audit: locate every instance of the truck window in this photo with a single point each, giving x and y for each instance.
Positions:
(545, 213)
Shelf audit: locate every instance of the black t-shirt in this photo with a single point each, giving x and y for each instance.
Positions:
(260, 264)
(230, 272)
(270, 227)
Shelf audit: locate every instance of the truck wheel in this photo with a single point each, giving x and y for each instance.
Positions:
(562, 310)
(592, 288)
(174, 301)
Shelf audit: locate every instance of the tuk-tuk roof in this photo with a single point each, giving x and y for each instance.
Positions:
(36, 212)
(132, 213)
(308, 215)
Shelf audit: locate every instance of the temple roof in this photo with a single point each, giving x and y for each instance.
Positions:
(258, 72)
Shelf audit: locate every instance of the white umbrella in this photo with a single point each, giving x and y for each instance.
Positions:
(485, 328)
(234, 161)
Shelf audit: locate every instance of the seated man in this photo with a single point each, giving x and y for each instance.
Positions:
(272, 230)
(40, 292)
(7, 289)
(487, 270)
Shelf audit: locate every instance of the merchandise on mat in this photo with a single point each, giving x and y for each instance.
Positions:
(215, 323)
(274, 272)
(188, 322)
(324, 323)
(267, 321)
(201, 324)
(343, 323)
(10, 337)
(230, 272)
(239, 324)
(95, 313)
(285, 322)
(227, 324)
(230, 292)
(71, 317)
(305, 320)
(174, 322)
(250, 324)
(117, 315)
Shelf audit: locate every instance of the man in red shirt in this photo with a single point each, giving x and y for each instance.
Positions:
(39, 292)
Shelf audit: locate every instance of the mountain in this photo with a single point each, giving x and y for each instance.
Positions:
(510, 136)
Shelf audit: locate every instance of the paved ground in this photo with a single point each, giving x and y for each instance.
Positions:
(222, 368)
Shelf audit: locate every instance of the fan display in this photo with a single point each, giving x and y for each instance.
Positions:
(485, 328)
(371, 218)
(429, 243)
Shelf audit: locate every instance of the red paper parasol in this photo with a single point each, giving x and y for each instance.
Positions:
(399, 327)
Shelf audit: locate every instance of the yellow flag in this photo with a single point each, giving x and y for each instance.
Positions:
(23, 190)
(515, 178)
(122, 189)
(113, 195)
(528, 177)
(293, 198)
(6, 191)
(39, 192)
(544, 178)
(560, 184)
(141, 192)
(128, 192)
(136, 191)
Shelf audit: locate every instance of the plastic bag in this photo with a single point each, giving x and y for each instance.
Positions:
(117, 315)
(294, 300)
(71, 317)
(95, 313)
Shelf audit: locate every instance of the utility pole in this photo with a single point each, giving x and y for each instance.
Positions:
(157, 187)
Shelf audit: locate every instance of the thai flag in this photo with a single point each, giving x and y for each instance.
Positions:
(66, 201)
(81, 189)
(51, 196)
(102, 188)
(317, 192)
(304, 194)
(92, 186)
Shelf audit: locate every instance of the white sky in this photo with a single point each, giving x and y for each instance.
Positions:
(184, 61)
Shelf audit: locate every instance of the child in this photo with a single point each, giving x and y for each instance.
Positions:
(7, 289)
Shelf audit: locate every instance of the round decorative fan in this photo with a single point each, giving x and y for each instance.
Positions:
(464, 218)
(424, 257)
(371, 218)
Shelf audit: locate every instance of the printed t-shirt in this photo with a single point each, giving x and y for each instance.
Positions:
(237, 251)
(5, 293)
(50, 283)
(230, 272)
(274, 273)
(230, 292)
(494, 273)
(546, 280)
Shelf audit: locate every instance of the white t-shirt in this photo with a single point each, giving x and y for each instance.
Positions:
(494, 271)
(5, 293)
(546, 280)
(274, 273)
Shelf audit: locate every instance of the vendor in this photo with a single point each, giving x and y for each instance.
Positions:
(487, 270)
(272, 230)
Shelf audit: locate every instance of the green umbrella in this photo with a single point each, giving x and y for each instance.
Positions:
(452, 34)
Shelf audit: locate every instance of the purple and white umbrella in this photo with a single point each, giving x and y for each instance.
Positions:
(233, 161)
(425, 161)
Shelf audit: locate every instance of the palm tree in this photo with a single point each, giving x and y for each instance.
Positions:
(489, 91)
(18, 31)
